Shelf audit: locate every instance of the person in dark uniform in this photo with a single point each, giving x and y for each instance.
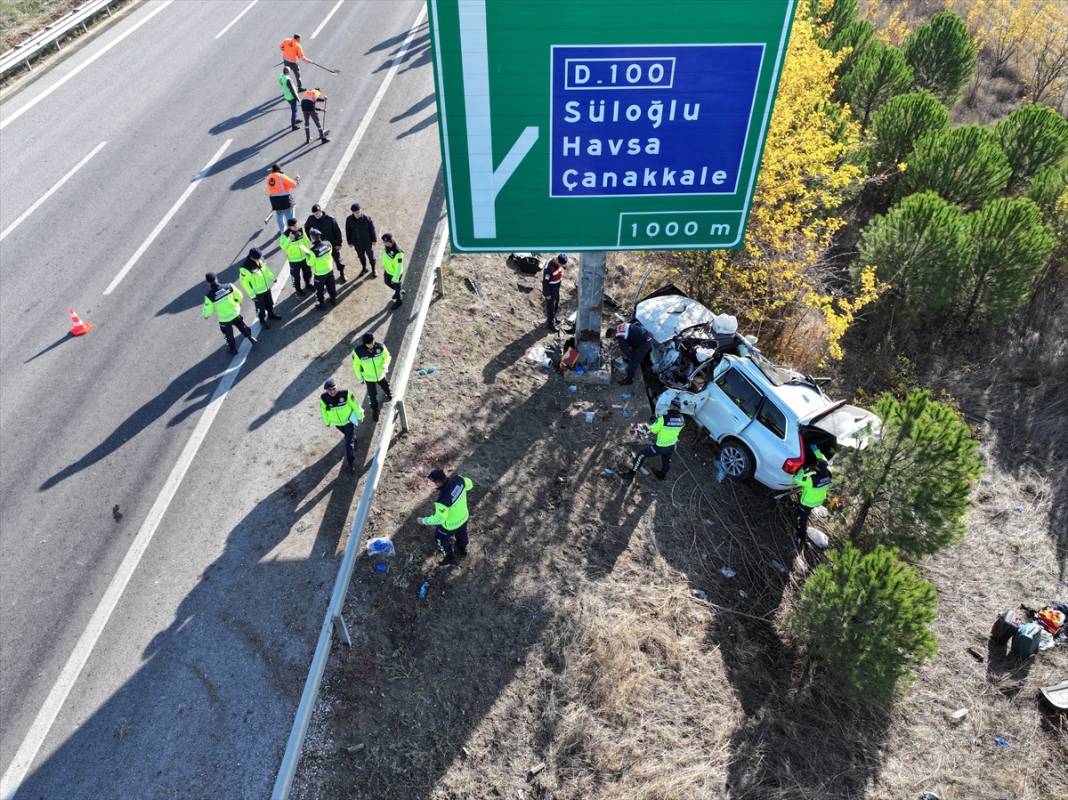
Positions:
(322, 267)
(224, 301)
(667, 428)
(330, 231)
(360, 233)
(552, 275)
(256, 278)
(308, 102)
(450, 515)
(635, 343)
(339, 409)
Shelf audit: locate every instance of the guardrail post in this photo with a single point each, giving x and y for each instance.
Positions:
(342, 630)
(439, 281)
(28, 67)
(402, 415)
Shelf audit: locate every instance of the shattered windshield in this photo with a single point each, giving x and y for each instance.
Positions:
(779, 376)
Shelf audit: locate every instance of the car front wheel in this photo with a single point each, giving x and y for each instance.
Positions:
(736, 460)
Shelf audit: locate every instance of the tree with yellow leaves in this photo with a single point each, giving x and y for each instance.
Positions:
(780, 283)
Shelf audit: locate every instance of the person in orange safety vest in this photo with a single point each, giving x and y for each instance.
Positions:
(292, 52)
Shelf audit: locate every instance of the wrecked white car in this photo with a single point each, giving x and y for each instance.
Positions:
(763, 416)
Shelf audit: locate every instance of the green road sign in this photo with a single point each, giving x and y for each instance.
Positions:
(604, 124)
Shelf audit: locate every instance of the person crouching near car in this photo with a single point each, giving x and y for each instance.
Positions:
(634, 342)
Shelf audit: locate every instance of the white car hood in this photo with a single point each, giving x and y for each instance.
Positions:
(666, 316)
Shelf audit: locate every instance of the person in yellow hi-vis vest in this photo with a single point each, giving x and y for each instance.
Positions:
(815, 482)
(256, 279)
(370, 361)
(450, 515)
(667, 428)
(340, 409)
(393, 267)
(224, 301)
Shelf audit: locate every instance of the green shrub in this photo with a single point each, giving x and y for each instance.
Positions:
(942, 56)
(1047, 186)
(911, 487)
(921, 248)
(1010, 246)
(1033, 137)
(878, 73)
(904, 120)
(831, 16)
(857, 35)
(866, 618)
(965, 165)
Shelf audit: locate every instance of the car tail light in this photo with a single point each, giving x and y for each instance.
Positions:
(791, 465)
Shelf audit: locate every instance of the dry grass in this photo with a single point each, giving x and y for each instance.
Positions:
(21, 18)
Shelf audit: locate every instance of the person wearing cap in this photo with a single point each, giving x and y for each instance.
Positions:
(667, 428)
(322, 267)
(331, 231)
(635, 343)
(292, 52)
(450, 515)
(814, 480)
(360, 234)
(289, 94)
(370, 361)
(308, 100)
(294, 242)
(340, 409)
(224, 301)
(393, 267)
(552, 275)
(279, 185)
(256, 279)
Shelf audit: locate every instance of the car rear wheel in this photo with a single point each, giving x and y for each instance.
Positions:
(736, 460)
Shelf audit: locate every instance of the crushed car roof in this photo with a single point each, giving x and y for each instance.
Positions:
(668, 315)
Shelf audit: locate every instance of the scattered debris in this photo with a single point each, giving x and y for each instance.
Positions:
(819, 538)
(537, 768)
(976, 655)
(700, 595)
(959, 714)
(352, 749)
(608, 472)
(744, 595)
(423, 589)
(473, 286)
(727, 572)
(780, 568)
(465, 751)
(572, 388)
(1000, 742)
(115, 513)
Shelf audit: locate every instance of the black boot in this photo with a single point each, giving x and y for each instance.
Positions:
(448, 561)
(461, 550)
(272, 315)
(341, 276)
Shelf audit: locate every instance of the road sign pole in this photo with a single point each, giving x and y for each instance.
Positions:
(590, 308)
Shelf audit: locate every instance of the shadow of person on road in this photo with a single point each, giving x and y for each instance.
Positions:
(238, 120)
(205, 713)
(415, 108)
(395, 41)
(417, 54)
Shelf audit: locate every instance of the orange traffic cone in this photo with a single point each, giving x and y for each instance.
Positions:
(77, 327)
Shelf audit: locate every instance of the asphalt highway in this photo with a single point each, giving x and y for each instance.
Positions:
(167, 547)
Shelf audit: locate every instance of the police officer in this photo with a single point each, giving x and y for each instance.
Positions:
(294, 242)
(393, 267)
(370, 361)
(815, 480)
(360, 233)
(279, 185)
(667, 428)
(450, 515)
(552, 275)
(224, 301)
(339, 408)
(256, 279)
(331, 231)
(308, 100)
(292, 52)
(635, 343)
(322, 267)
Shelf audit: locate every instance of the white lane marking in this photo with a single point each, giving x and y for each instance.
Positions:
(166, 218)
(365, 123)
(55, 188)
(233, 22)
(322, 24)
(31, 744)
(43, 94)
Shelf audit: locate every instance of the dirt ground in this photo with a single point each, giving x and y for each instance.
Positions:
(592, 646)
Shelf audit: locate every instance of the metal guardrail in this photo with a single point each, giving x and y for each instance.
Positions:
(52, 33)
(333, 621)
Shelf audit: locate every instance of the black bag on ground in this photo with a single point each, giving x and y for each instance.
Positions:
(1005, 627)
(525, 262)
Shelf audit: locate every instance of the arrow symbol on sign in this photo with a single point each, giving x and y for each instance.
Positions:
(486, 182)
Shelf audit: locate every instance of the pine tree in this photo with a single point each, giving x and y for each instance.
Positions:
(921, 248)
(831, 16)
(965, 165)
(866, 617)
(900, 123)
(1047, 186)
(942, 56)
(855, 36)
(911, 487)
(1033, 137)
(879, 73)
(1010, 245)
